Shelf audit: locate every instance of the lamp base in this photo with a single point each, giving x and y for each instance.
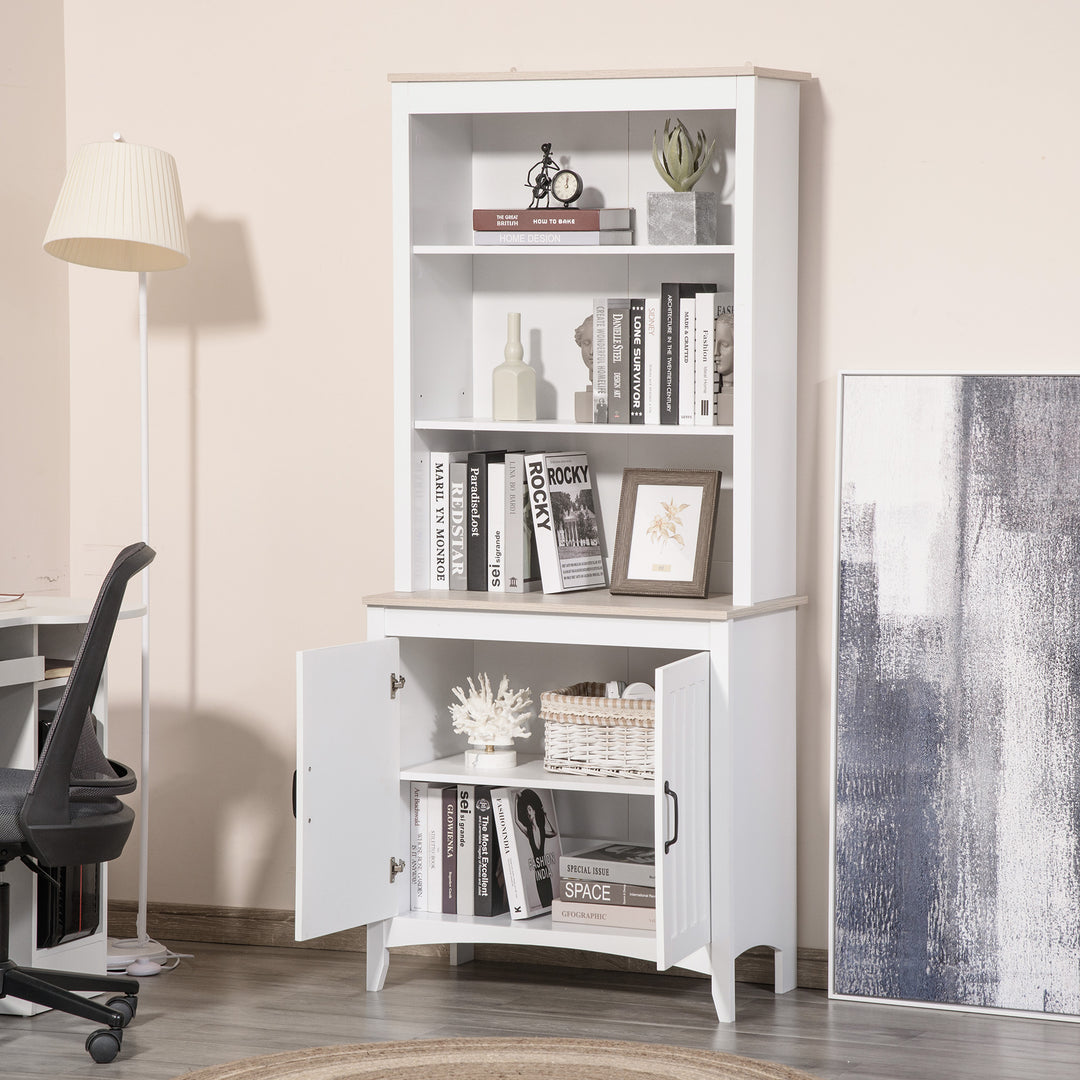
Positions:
(120, 953)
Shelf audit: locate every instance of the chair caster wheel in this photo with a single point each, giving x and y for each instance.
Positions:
(103, 1045)
(125, 1006)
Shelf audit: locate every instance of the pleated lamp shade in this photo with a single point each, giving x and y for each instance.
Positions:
(120, 209)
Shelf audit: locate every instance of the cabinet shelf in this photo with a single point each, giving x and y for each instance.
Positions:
(573, 250)
(569, 427)
(529, 772)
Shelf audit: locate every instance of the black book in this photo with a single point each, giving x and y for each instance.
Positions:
(637, 360)
(476, 521)
(489, 888)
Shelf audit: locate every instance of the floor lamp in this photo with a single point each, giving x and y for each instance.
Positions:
(120, 209)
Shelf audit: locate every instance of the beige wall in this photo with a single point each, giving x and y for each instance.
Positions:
(33, 303)
(939, 171)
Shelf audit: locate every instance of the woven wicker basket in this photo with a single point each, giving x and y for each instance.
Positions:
(585, 732)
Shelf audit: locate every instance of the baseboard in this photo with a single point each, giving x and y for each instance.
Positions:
(269, 926)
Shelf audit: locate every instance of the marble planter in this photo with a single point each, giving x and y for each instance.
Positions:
(682, 217)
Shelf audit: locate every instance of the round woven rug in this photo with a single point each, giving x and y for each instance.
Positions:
(499, 1059)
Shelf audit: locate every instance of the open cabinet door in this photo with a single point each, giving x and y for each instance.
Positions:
(683, 908)
(347, 788)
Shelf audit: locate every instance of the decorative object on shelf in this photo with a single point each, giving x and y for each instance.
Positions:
(663, 541)
(545, 179)
(491, 721)
(583, 399)
(681, 216)
(587, 732)
(513, 382)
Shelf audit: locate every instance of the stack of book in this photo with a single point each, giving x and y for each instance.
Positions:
(660, 360)
(548, 227)
(509, 521)
(610, 885)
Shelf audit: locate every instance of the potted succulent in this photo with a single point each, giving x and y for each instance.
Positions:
(682, 215)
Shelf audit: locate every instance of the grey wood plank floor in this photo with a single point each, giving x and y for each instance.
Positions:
(230, 1002)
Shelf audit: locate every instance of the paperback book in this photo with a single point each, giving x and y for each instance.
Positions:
(637, 360)
(521, 567)
(669, 352)
(631, 864)
(600, 361)
(417, 846)
(529, 847)
(554, 238)
(618, 346)
(465, 887)
(565, 521)
(630, 918)
(489, 884)
(581, 891)
(651, 349)
(458, 544)
(546, 218)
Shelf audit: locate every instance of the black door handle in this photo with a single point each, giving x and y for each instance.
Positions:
(669, 790)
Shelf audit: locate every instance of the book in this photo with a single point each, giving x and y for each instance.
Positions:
(580, 891)
(465, 886)
(570, 218)
(495, 515)
(439, 500)
(565, 521)
(688, 294)
(704, 356)
(723, 347)
(459, 480)
(636, 388)
(669, 352)
(651, 351)
(521, 569)
(553, 238)
(417, 846)
(433, 847)
(631, 864)
(628, 918)
(449, 839)
(529, 847)
(476, 536)
(618, 349)
(600, 361)
(489, 885)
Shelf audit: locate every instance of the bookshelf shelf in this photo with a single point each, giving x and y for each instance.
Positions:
(723, 667)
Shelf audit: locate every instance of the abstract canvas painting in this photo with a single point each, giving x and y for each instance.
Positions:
(956, 861)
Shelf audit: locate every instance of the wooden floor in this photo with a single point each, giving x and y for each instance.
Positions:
(230, 1002)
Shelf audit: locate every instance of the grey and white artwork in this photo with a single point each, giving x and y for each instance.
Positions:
(956, 875)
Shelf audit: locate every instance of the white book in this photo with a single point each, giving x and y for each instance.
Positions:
(496, 524)
(529, 847)
(521, 572)
(466, 850)
(704, 361)
(652, 360)
(433, 847)
(439, 502)
(418, 882)
(600, 361)
(633, 918)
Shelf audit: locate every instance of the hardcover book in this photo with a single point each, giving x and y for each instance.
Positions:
(629, 918)
(459, 565)
(669, 352)
(495, 513)
(580, 891)
(547, 218)
(600, 361)
(476, 516)
(433, 847)
(449, 849)
(688, 294)
(631, 864)
(554, 237)
(439, 494)
(723, 348)
(529, 847)
(565, 521)
(637, 360)
(465, 886)
(704, 358)
(489, 886)
(618, 337)
(651, 350)
(417, 846)
(521, 567)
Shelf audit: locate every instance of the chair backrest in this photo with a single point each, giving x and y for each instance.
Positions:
(71, 814)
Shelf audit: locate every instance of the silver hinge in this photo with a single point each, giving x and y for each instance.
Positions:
(396, 683)
(397, 866)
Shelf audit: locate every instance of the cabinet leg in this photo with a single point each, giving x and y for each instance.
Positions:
(460, 954)
(378, 955)
(785, 975)
(723, 983)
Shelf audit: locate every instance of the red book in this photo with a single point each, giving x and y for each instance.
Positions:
(549, 218)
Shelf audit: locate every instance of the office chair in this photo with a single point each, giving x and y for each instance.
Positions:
(66, 813)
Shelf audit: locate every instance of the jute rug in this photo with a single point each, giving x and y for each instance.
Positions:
(499, 1059)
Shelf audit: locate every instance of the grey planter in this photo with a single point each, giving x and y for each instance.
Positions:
(682, 217)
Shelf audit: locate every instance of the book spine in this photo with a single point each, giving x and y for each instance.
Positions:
(465, 887)
(502, 803)
(705, 361)
(618, 335)
(651, 351)
(417, 846)
(600, 362)
(637, 360)
(448, 819)
(433, 847)
(669, 353)
(476, 518)
(627, 918)
(496, 524)
(487, 892)
(547, 550)
(607, 892)
(552, 238)
(583, 869)
(723, 343)
(687, 322)
(587, 220)
(459, 474)
(520, 571)
(440, 500)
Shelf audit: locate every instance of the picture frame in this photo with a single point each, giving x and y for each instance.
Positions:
(664, 535)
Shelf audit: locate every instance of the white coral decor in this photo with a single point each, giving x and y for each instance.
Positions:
(491, 719)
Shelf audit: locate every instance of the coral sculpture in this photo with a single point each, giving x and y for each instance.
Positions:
(683, 159)
(491, 719)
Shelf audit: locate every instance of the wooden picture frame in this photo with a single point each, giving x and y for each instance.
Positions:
(664, 536)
